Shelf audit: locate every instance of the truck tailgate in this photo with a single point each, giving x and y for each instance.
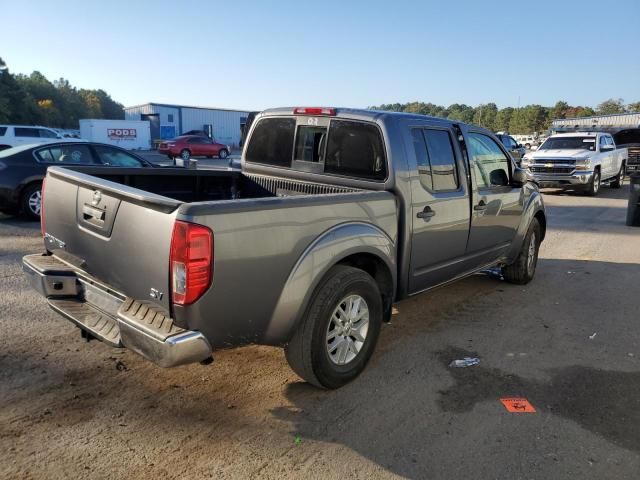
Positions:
(117, 234)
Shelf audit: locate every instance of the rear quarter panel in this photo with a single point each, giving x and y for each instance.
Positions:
(257, 245)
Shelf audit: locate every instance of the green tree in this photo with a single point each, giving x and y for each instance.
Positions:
(559, 110)
(461, 112)
(33, 99)
(529, 119)
(485, 115)
(503, 119)
(633, 107)
(611, 106)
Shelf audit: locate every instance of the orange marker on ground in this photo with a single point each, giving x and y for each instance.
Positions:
(518, 405)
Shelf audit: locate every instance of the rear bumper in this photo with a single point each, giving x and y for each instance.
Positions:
(113, 318)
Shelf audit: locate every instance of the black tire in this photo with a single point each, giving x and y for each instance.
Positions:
(29, 207)
(617, 183)
(224, 153)
(308, 350)
(594, 185)
(185, 154)
(523, 269)
(527, 146)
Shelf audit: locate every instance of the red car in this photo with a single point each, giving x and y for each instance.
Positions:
(188, 146)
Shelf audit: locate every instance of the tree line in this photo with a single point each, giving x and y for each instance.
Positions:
(525, 120)
(34, 100)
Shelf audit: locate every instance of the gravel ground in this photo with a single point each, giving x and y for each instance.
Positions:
(569, 342)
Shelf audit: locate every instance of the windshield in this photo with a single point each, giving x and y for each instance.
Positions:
(569, 143)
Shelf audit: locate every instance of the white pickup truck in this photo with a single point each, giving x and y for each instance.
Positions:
(579, 161)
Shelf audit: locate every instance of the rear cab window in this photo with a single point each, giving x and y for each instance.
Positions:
(327, 145)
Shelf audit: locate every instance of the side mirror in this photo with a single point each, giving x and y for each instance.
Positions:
(499, 177)
(520, 177)
(519, 145)
(607, 148)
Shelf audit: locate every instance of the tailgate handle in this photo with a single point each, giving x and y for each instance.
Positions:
(89, 212)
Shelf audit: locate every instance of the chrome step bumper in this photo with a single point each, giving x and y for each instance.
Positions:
(113, 318)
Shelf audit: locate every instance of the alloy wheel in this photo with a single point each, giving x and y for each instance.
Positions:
(347, 330)
(35, 202)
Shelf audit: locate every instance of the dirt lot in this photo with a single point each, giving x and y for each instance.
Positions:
(569, 342)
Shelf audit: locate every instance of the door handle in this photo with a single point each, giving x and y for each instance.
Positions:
(480, 207)
(426, 214)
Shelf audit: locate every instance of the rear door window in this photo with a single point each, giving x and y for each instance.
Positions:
(3, 130)
(436, 160)
(271, 142)
(68, 154)
(27, 132)
(355, 149)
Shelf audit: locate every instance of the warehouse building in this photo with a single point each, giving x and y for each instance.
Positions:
(169, 121)
(610, 123)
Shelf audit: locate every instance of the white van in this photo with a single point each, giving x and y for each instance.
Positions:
(15, 135)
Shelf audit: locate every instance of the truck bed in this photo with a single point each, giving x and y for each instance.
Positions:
(201, 185)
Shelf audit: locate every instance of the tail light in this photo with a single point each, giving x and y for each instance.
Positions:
(190, 262)
(314, 111)
(44, 181)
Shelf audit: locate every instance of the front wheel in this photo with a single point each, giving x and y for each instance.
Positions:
(594, 185)
(338, 334)
(523, 269)
(185, 154)
(223, 153)
(619, 180)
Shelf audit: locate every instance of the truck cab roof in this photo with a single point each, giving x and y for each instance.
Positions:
(362, 114)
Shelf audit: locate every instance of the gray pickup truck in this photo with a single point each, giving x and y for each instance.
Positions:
(335, 215)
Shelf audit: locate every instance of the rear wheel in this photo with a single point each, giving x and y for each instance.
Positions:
(527, 146)
(223, 153)
(594, 185)
(335, 340)
(185, 154)
(523, 269)
(32, 201)
(619, 180)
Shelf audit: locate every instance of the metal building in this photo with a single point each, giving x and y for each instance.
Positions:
(169, 121)
(609, 123)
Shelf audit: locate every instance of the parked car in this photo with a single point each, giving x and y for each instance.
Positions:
(23, 168)
(16, 135)
(527, 141)
(629, 138)
(516, 150)
(188, 146)
(335, 215)
(579, 161)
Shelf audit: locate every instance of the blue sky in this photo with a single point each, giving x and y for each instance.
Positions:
(254, 55)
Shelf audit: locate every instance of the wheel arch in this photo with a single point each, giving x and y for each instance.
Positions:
(356, 244)
(534, 209)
